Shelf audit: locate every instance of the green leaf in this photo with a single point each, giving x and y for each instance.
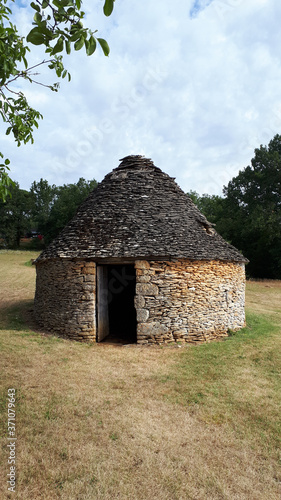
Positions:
(35, 6)
(45, 31)
(104, 45)
(74, 36)
(59, 46)
(67, 46)
(71, 11)
(45, 4)
(60, 4)
(37, 18)
(79, 44)
(35, 37)
(25, 62)
(57, 3)
(108, 7)
(91, 47)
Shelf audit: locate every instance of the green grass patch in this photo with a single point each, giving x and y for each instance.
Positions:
(29, 263)
(235, 382)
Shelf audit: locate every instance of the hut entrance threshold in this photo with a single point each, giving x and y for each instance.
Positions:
(116, 314)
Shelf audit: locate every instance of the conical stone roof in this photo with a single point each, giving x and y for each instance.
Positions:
(138, 211)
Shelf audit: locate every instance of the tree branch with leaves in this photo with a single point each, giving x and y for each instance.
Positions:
(58, 27)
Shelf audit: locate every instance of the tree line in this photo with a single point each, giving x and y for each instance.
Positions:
(44, 209)
(248, 215)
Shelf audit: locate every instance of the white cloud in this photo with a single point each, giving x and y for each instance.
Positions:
(193, 85)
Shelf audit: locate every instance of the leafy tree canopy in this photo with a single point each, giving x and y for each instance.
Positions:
(253, 211)
(249, 214)
(66, 200)
(44, 208)
(15, 216)
(58, 28)
(212, 206)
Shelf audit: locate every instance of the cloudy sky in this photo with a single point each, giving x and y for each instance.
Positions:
(194, 85)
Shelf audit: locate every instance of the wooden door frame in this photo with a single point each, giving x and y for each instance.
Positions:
(102, 302)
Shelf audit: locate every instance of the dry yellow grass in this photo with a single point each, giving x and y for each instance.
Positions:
(16, 279)
(105, 422)
(264, 296)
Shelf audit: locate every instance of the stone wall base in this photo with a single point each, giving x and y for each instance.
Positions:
(65, 298)
(176, 301)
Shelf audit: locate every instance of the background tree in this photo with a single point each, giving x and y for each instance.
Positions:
(44, 208)
(212, 206)
(249, 216)
(58, 28)
(15, 216)
(67, 199)
(253, 211)
(42, 199)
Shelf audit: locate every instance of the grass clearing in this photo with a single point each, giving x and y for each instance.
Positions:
(105, 422)
(235, 382)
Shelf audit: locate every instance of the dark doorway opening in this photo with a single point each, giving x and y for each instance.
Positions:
(121, 286)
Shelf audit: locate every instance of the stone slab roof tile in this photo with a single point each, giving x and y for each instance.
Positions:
(138, 211)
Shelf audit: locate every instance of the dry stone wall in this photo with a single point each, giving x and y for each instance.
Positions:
(182, 300)
(188, 301)
(65, 298)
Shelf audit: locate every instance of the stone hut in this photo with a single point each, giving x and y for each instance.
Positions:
(140, 263)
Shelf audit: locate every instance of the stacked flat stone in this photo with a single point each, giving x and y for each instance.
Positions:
(138, 211)
(188, 301)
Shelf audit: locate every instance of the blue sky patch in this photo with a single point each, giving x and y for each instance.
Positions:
(197, 6)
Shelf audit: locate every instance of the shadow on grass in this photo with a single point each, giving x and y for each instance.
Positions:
(19, 317)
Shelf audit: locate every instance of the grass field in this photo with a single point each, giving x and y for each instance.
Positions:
(105, 422)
